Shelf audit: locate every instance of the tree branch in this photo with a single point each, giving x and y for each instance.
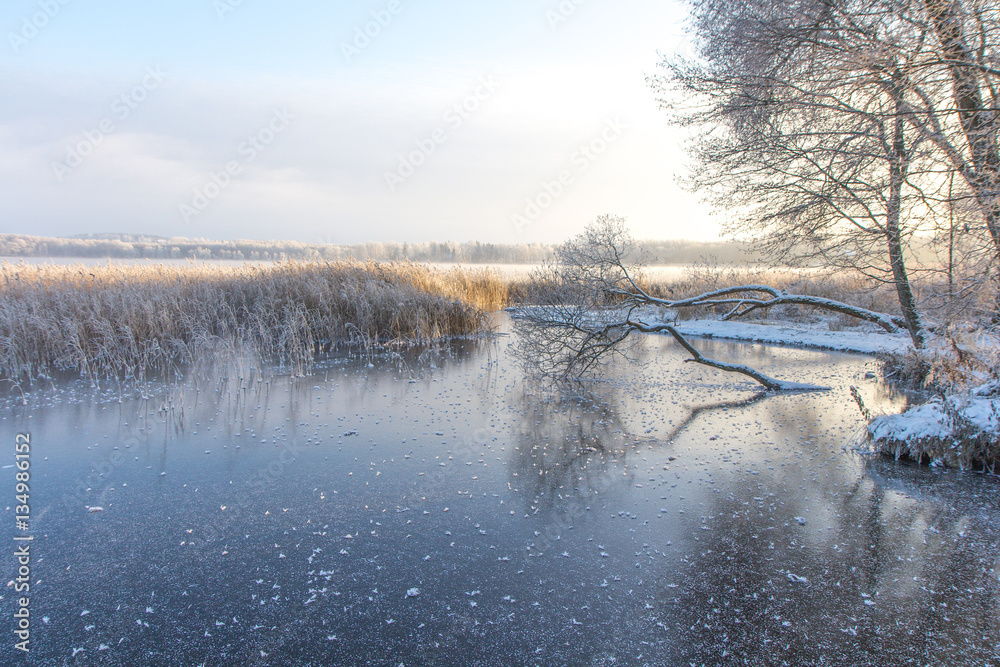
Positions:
(696, 357)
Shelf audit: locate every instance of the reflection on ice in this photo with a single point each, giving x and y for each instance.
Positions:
(422, 513)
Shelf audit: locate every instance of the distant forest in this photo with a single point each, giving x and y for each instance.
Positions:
(133, 246)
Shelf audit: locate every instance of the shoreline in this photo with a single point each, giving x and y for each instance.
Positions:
(798, 335)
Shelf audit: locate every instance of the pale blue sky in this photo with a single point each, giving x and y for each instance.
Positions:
(259, 119)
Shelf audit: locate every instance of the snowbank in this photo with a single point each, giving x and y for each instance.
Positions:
(865, 342)
(960, 431)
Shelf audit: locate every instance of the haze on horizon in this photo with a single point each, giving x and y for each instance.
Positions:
(229, 119)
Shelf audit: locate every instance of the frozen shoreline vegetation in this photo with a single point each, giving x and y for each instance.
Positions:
(955, 430)
(135, 321)
(960, 425)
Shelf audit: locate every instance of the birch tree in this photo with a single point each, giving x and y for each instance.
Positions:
(966, 42)
(803, 135)
(829, 129)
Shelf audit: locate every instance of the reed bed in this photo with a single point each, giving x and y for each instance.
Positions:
(133, 321)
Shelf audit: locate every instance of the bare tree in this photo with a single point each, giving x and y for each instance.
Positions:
(593, 300)
(804, 139)
(967, 47)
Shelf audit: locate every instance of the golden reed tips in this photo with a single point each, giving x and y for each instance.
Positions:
(133, 319)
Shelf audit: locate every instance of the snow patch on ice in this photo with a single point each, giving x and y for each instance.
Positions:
(796, 335)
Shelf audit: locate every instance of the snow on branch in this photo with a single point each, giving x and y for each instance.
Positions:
(747, 304)
(586, 305)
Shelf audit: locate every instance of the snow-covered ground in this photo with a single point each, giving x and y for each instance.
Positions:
(818, 335)
(959, 430)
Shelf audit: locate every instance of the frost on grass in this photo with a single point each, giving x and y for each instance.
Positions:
(958, 430)
(140, 321)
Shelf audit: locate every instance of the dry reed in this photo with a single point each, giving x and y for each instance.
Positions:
(121, 320)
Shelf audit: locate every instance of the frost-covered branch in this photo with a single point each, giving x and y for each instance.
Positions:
(740, 296)
(696, 357)
(587, 305)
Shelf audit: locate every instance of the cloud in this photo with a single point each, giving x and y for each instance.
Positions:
(324, 176)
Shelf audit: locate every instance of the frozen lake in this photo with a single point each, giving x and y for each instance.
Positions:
(438, 508)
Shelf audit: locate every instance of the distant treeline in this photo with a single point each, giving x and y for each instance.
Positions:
(133, 246)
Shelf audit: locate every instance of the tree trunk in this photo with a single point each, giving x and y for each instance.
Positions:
(977, 121)
(897, 174)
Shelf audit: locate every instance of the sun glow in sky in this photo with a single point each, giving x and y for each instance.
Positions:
(506, 121)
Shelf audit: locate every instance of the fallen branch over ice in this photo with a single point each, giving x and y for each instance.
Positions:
(592, 299)
(696, 357)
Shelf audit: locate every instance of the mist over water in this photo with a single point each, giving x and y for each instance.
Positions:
(437, 507)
